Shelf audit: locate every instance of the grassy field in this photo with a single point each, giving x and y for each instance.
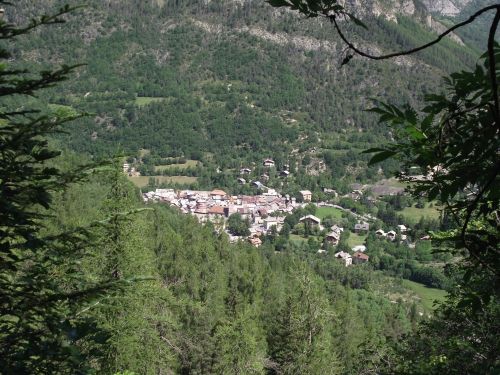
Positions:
(295, 238)
(188, 163)
(427, 295)
(356, 239)
(145, 100)
(323, 212)
(143, 152)
(414, 214)
(142, 181)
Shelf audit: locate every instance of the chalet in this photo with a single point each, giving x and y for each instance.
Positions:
(218, 194)
(245, 171)
(359, 248)
(380, 233)
(271, 194)
(359, 257)
(391, 235)
(284, 173)
(337, 229)
(344, 256)
(257, 184)
(402, 228)
(332, 238)
(306, 195)
(242, 181)
(268, 163)
(361, 227)
(311, 219)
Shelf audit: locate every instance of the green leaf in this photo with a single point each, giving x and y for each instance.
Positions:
(278, 3)
(381, 156)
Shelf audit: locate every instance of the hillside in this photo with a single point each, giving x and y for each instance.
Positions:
(200, 268)
(229, 83)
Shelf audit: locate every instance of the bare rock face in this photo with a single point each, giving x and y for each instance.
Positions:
(386, 8)
(390, 8)
(445, 7)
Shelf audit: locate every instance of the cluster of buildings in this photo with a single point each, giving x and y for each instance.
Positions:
(264, 178)
(391, 235)
(216, 206)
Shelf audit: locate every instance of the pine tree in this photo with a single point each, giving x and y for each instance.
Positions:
(43, 291)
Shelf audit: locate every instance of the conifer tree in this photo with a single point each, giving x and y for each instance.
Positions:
(43, 291)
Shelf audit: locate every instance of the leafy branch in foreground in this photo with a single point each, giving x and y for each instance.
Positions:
(454, 144)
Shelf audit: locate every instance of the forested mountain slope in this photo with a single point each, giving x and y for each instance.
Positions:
(209, 307)
(223, 83)
(234, 80)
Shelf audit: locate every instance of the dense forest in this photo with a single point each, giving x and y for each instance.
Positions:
(95, 281)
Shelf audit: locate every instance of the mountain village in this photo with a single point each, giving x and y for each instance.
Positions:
(266, 211)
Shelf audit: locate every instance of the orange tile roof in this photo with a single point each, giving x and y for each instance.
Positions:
(217, 210)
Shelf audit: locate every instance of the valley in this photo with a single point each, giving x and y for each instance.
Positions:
(248, 187)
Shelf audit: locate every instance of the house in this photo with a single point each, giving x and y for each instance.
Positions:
(245, 171)
(218, 194)
(255, 241)
(273, 222)
(257, 184)
(321, 251)
(264, 177)
(391, 235)
(380, 233)
(216, 212)
(268, 163)
(402, 228)
(311, 219)
(284, 173)
(425, 238)
(330, 191)
(126, 167)
(345, 256)
(271, 193)
(332, 238)
(359, 249)
(337, 229)
(359, 257)
(242, 181)
(361, 227)
(306, 195)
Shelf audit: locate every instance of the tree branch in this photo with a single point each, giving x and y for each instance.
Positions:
(333, 19)
(493, 70)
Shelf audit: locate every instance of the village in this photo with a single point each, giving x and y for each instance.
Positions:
(267, 211)
(263, 212)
